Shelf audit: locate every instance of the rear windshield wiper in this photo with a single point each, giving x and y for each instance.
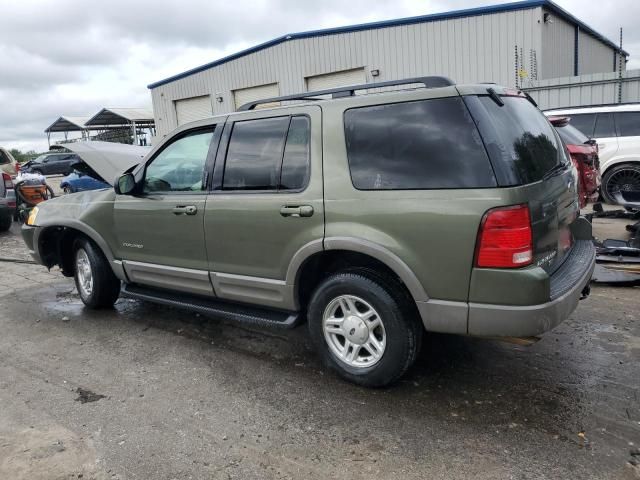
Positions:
(560, 167)
(495, 97)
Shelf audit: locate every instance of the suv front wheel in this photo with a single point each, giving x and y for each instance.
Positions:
(96, 283)
(363, 327)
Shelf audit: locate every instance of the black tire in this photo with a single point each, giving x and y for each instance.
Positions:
(5, 222)
(106, 286)
(625, 174)
(396, 310)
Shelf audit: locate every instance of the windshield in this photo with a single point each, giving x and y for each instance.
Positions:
(522, 144)
(40, 159)
(571, 135)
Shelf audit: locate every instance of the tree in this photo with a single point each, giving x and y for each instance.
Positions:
(22, 157)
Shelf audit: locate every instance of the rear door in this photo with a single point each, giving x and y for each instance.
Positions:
(628, 128)
(605, 134)
(267, 203)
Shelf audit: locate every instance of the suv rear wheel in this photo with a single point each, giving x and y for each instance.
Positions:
(620, 178)
(363, 329)
(97, 285)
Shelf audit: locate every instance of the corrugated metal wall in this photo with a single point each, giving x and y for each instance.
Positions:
(469, 49)
(558, 48)
(593, 55)
(590, 89)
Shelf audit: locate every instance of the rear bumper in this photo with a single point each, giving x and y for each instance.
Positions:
(566, 286)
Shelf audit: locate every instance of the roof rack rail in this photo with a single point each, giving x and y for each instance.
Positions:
(348, 91)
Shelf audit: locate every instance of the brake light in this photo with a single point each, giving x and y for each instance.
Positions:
(17, 166)
(505, 238)
(8, 183)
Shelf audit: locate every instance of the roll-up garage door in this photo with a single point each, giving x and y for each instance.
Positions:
(251, 94)
(336, 79)
(192, 109)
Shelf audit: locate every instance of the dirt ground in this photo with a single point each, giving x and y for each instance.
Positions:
(149, 392)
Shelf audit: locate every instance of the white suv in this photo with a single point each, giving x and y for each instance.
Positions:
(616, 128)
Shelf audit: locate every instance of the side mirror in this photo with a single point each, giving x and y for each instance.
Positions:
(125, 184)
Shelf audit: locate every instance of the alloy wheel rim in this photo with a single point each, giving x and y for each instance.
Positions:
(624, 181)
(354, 331)
(85, 275)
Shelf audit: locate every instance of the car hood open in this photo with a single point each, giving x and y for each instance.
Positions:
(109, 160)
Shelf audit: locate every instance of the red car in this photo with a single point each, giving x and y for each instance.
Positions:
(584, 154)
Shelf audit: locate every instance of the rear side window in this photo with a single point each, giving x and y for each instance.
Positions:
(268, 154)
(583, 122)
(521, 142)
(427, 144)
(571, 135)
(604, 126)
(628, 124)
(4, 158)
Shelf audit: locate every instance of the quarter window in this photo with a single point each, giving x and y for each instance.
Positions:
(628, 124)
(416, 145)
(179, 167)
(583, 122)
(268, 154)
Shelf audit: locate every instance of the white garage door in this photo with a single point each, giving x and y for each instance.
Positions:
(336, 79)
(251, 94)
(192, 109)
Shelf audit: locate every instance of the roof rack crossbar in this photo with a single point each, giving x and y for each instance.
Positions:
(347, 91)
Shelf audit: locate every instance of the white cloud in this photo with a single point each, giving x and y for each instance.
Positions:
(72, 57)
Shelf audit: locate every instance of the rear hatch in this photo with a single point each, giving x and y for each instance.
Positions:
(528, 156)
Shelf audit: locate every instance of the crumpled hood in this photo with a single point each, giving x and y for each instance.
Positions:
(108, 159)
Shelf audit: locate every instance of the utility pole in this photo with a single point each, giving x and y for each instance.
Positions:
(620, 69)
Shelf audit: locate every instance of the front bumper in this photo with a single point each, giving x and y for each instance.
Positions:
(566, 287)
(28, 234)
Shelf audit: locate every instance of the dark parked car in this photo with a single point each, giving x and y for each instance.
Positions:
(52, 164)
(584, 154)
(7, 201)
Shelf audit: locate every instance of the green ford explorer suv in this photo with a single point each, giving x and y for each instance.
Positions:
(372, 217)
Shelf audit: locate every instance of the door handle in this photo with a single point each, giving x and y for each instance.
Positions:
(296, 211)
(185, 210)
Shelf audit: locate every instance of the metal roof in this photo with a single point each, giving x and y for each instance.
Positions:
(67, 124)
(468, 12)
(120, 116)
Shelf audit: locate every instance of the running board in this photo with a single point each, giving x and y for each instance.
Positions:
(245, 314)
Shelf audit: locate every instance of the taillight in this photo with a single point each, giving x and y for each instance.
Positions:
(8, 183)
(17, 167)
(505, 239)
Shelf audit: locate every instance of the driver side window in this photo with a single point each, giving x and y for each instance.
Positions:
(179, 167)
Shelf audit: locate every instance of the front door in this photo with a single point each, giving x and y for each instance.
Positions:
(266, 204)
(160, 229)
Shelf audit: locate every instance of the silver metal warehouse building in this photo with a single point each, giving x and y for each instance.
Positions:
(514, 44)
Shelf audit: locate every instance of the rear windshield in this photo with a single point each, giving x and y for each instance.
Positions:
(428, 144)
(571, 135)
(522, 144)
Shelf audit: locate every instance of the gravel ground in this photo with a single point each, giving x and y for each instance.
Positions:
(148, 392)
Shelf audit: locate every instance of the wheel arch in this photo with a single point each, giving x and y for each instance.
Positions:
(366, 253)
(620, 161)
(54, 243)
